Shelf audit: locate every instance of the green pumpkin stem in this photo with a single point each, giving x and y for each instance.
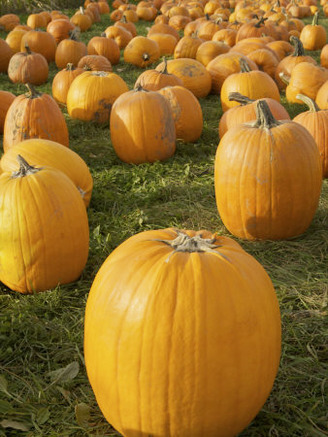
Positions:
(285, 79)
(264, 117)
(244, 67)
(70, 67)
(313, 107)
(27, 49)
(25, 168)
(297, 43)
(237, 97)
(315, 20)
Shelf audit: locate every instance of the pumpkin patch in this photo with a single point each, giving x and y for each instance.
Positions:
(144, 268)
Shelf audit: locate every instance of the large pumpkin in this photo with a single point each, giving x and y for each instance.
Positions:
(142, 127)
(182, 336)
(44, 230)
(34, 115)
(268, 177)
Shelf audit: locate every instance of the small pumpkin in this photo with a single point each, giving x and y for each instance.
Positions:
(28, 67)
(154, 80)
(313, 36)
(95, 63)
(45, 237)
(70, 50)
(141, 51)
(108, 47)
(142, 127)
(62, 81)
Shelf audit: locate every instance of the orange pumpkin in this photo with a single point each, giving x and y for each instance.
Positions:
(156, 341)
(28, 67)
(313, 36)
(154, 80)
(6, 99)
(141, 51)
(62, 81)
(142, 127)
(263, 172)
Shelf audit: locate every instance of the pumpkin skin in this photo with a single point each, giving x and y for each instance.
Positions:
(154, 80)
(47, 153)
(34, 115)
(186, 111)
(40, 42)
(28, 67)
(5, 55)
(263, 172)
(316, 122)
(142, 127)
(92, 94)
(62, 81)
(160, 349)
(141, 51)
(34, 259)
(6, 99)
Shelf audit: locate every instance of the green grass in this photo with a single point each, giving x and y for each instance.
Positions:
(44, 390)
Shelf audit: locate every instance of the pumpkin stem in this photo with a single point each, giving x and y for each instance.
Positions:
(32, 92)
(244, 67)
(260, 22)
(297, 43)
(140, 88)
(103, 34)
(264, 117)
(164, 69)
(25, 168)
(70, 67)
(145, 57)
(74, 34)
(313, 107)
(237, 97)
(284, 78)
(315, 20)
(184, 243)
(27, 49)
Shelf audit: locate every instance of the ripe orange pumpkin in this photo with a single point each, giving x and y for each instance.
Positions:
(263, 172)
(45, 237)
(142, 127)
(169, 356)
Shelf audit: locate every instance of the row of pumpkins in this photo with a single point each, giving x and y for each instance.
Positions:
(167, 355)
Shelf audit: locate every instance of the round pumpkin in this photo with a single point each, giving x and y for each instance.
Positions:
(6, 99)
(154, 80)
(62, 81)
(92, 94)
(268, 177)
(44, 229)
(34, 115)
(141, 51)
(142, 127)
(39, 152)
(182, 335)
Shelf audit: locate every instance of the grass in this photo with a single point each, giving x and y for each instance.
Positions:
(44, 390)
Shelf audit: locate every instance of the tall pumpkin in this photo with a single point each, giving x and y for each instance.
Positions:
(44, 230)
(268, 177)
(34, 115)
(142, 127)
(182, 335)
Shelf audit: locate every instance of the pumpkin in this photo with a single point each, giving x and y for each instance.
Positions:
(45, 237)
(70, 50)
(306, 78)
(14, 39)
(62, 81)
(119, 34)
(82, 20)
(127, 25)
(163, 28)
(315, 121)
(28, 67)
(34, 115)
(6, 99)
(186, 111)
(60, 29)
(8, 22)
(141, 51)
(95, 63)
(39, 152)
(40, 42)
(287, 64)
(142, 127)
(313, 36)
(322, 96)
(108, 47)
(264, 170)
(92, 94)
(280, 48)
(246, 111)
(324, 56)
(167, 315)
(154, 80)
(209, 50)
(193, 74)
(254, 84)
(5, 55)
(227, 36)
(165, 41)
(266, 60)
(187, 47)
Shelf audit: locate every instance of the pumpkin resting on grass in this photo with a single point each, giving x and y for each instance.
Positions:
(182, 335)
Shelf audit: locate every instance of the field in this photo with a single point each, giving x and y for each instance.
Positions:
(44, 390)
